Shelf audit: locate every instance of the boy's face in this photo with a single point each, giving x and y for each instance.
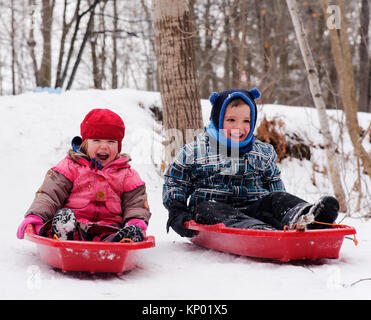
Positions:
(104, 151)
(236, 124)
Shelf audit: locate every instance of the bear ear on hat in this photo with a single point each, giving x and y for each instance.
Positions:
(213, 97)
(255, 93)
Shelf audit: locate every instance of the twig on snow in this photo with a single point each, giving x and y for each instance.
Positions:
(358, 281)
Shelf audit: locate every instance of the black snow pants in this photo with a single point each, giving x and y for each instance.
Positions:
(271, 212)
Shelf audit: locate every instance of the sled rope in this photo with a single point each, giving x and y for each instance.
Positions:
(55, 237)
(286, 227)
(339, 225)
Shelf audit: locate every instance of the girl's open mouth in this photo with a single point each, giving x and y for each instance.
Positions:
(102, 156)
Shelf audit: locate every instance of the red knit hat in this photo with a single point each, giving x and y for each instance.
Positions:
(103, 124)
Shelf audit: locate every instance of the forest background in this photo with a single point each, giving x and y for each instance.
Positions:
(187, 49)
(108, 44)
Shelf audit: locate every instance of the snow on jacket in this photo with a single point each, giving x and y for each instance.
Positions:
(110, 196)
(200, 173)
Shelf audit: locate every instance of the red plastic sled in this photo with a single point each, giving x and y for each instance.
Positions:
(88, 256)
(277, 245)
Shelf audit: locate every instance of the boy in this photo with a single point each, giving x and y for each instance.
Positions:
(228, 176)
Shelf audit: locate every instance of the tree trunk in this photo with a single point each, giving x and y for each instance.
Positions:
(152, 73)
(178, 81)
(98, 52)
(79, 16)
(228, 51)
(12, 36)
(342, 55)
(84, 40)
(31, 39)
(65, 30)
(241, 52)
(102, 52)
(114, 74)
(236, 27)
(364, 63)
(319, 102)
(45, 71)
(206, 67)
(94, 60)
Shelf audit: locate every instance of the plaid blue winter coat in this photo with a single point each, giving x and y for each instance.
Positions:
(201, 172)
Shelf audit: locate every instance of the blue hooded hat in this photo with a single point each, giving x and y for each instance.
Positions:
(220, 101)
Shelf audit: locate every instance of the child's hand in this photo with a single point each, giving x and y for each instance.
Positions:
(178, 214)
(137, 222)
(131, 232)
(36, 221)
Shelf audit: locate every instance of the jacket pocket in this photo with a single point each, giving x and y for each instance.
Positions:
(114, 207)
(77, 202)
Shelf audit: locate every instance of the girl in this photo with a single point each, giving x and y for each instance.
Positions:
(228, 176)
(93, 193)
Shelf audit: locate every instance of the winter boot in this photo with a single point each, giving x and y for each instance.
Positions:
(298, 216)
(325, 210)
(64, 224)
(131, 232)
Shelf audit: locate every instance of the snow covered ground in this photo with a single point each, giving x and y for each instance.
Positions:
(36, 130)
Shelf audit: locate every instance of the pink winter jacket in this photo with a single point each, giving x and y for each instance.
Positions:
(110, 196)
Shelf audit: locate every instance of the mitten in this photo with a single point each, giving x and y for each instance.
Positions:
(131, 232)
(32, 219)
(137, 222)
(178, 214)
